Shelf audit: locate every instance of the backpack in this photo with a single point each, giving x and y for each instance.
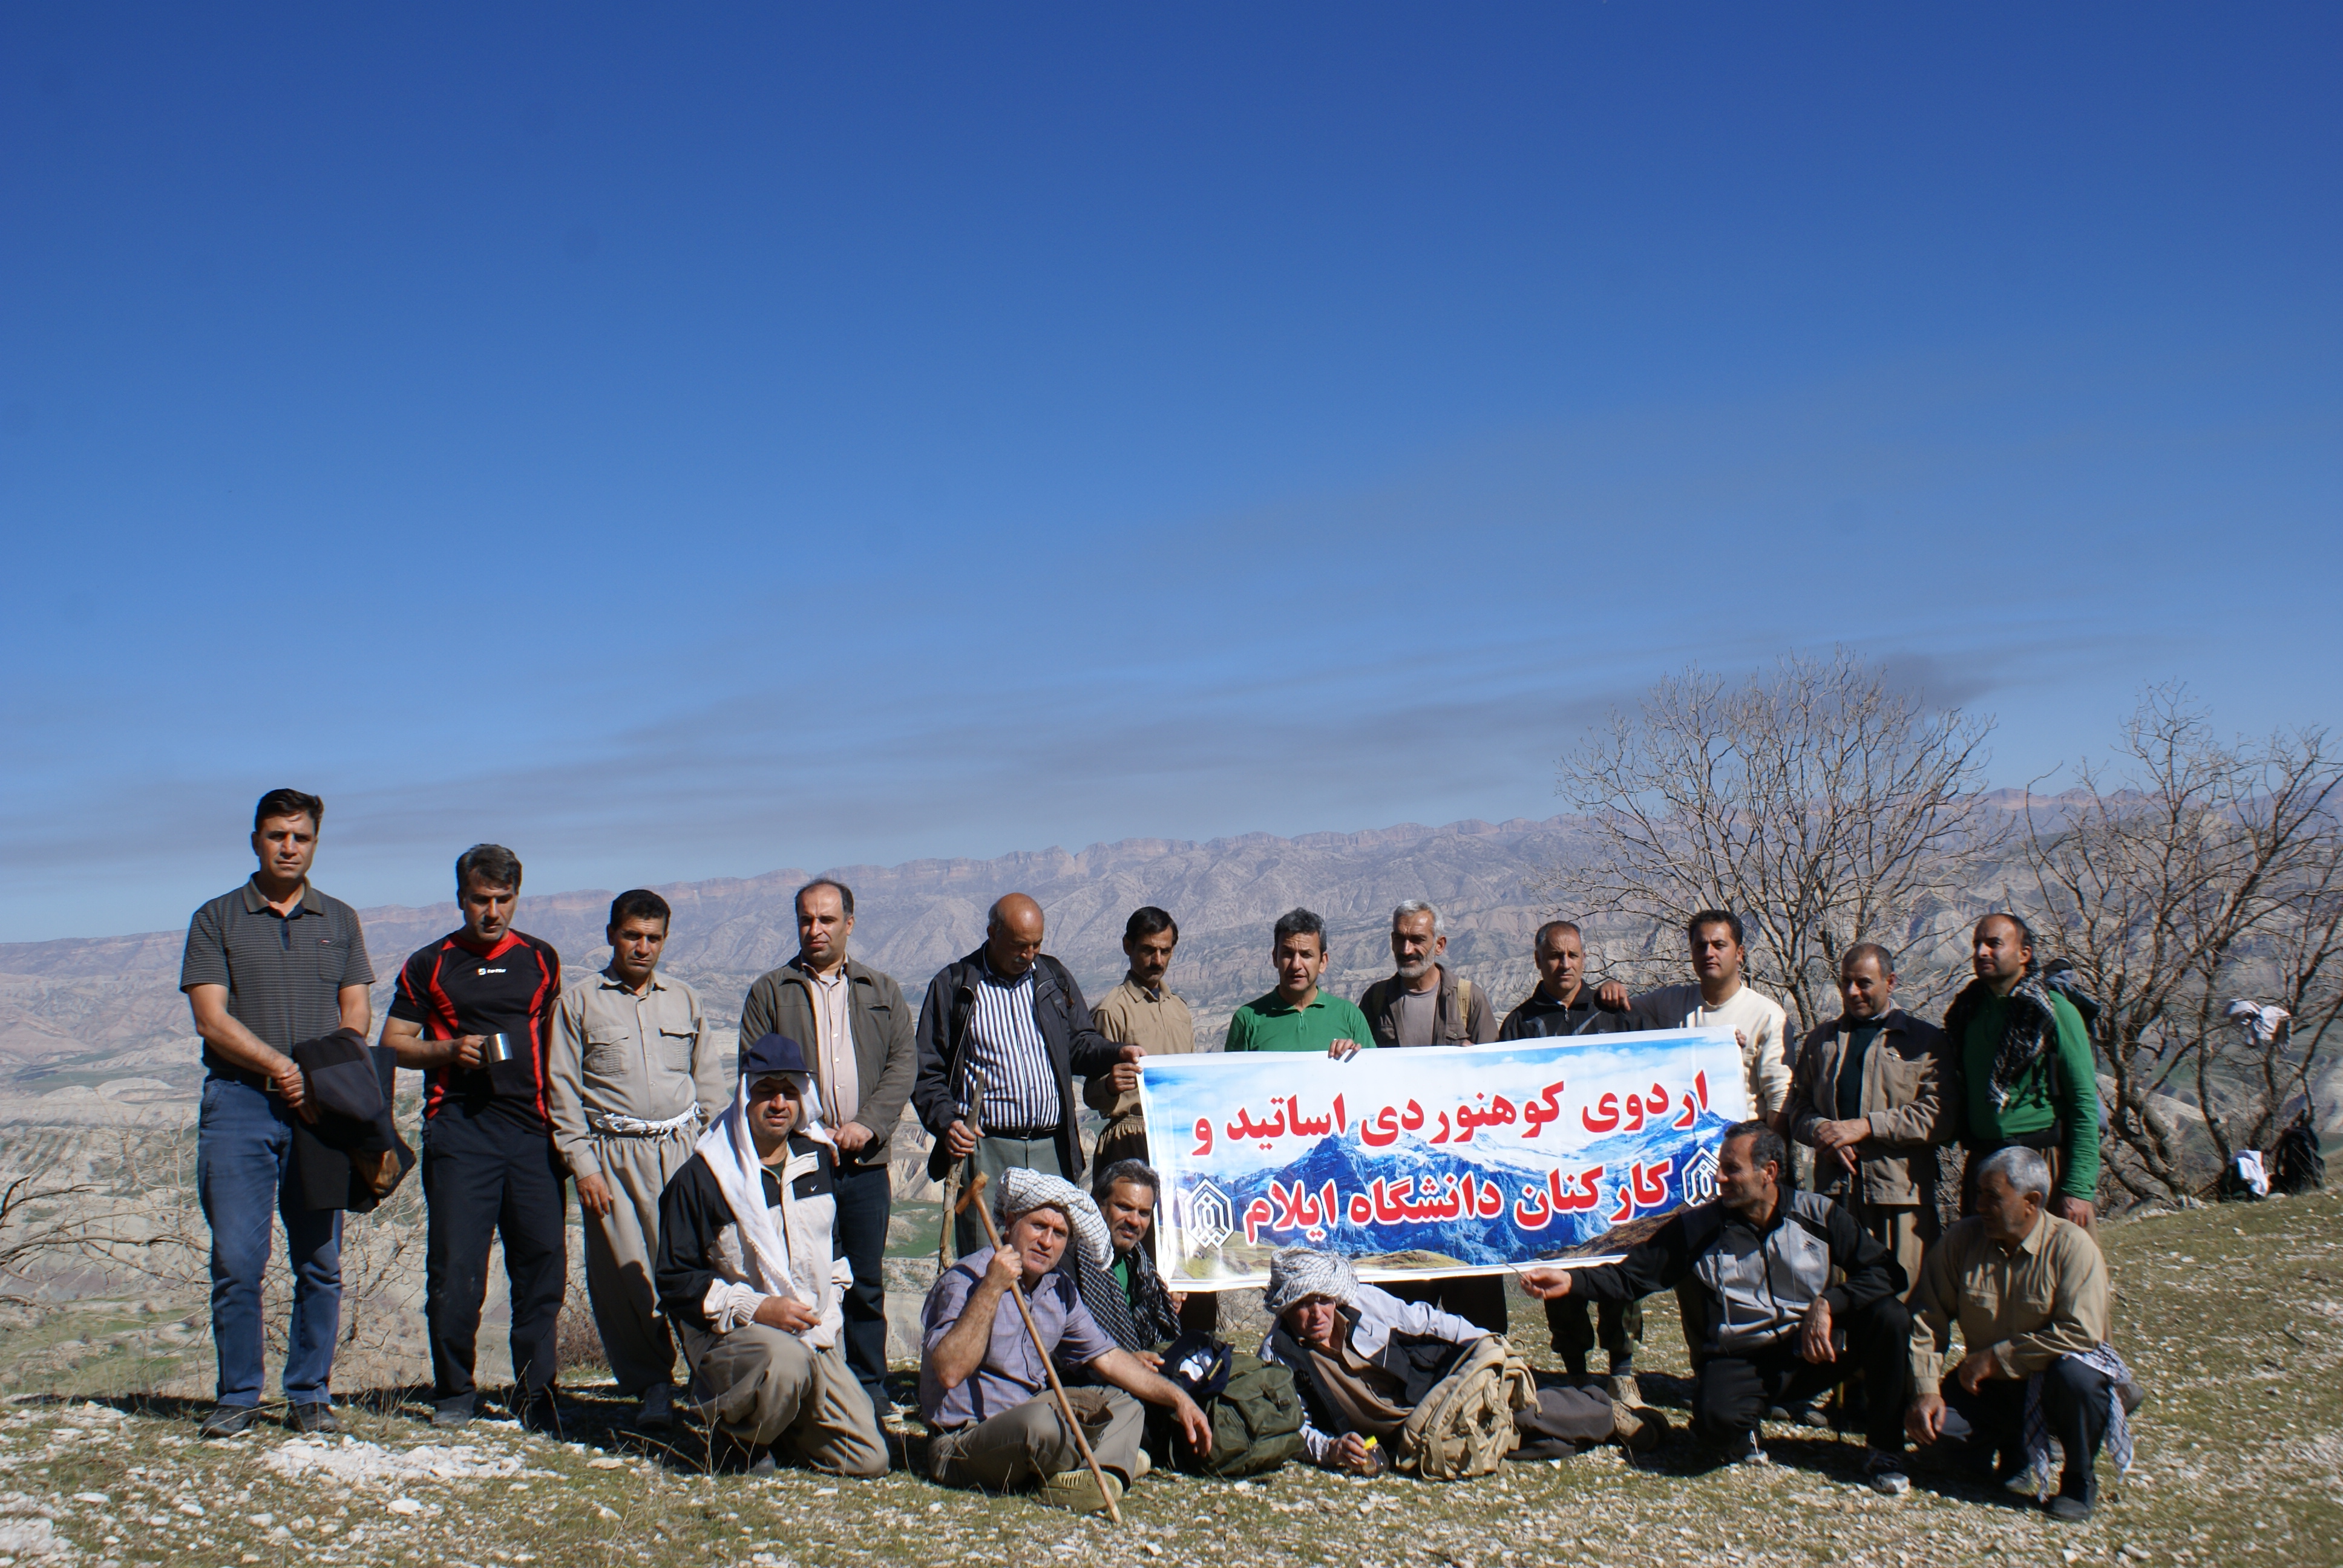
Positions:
(1466, 1426)
(2300, 1167)
(1253, 1409)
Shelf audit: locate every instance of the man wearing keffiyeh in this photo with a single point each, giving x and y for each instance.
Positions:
(749, 1272)
(1127, 1296)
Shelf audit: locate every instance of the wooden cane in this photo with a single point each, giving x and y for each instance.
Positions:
(1016, 1289)
(951, 1175)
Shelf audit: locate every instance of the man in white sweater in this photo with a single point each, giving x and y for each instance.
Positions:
(1719, 996)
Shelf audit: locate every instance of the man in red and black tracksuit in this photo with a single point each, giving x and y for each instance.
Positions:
(490, 1170)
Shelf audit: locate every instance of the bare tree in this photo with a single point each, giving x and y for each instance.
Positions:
(1816, 801)
(2185, 875)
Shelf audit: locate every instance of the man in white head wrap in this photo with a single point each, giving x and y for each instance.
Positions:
(1363, 1360)
(750, 1274)
(985, 1394)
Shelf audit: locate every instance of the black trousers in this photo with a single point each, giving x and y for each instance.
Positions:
(1733, 1390)
(1478, 1299)
(1616, 1326)
(864, 1208)
(489, 1177)
(1991, 1422)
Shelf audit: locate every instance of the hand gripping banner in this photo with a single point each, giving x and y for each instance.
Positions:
(1440, 1161)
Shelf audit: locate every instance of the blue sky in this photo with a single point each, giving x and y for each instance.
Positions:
(681, 444)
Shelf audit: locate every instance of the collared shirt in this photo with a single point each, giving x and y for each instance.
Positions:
(1271, 1023)
(1005, 1050)
(618, 1052)
(2046, 1299)
(1156, 1021)
(834, 1067)
(1010, 1373)
(284, 973)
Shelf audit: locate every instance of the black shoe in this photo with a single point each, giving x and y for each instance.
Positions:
(2067, 1510)
(228, 1420)
(453, 1415)
(539, 1413)
(316, 1416)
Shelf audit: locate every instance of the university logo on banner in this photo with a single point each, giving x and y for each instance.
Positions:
(1435, 1160)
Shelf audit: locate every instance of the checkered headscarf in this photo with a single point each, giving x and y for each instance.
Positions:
(1022, 1191)
(1297, 1273)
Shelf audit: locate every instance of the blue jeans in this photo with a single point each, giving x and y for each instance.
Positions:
(244, 1151)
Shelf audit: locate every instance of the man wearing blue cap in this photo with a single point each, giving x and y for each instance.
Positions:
(749, 1272)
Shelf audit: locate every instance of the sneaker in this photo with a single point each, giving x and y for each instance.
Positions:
(657, 1412)
(1142, 1467)
(1636, 1429)
(2133, 1394)
(1077, 1491)
(452, 1415)
(764, 1467)
(1742, 1450)
(1885, 1473)
(2067, 1510)
(316, 1416)
(1623, 1390)
(1807, 1413)
(228, 1420)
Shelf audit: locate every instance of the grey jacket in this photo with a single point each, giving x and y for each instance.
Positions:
(781, 1003)
(1907, 1098)
(1473, 1023)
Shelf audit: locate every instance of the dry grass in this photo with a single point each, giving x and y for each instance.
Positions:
(2233, 1315)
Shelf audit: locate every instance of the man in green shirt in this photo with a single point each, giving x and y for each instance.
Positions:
(1297, 1015)
(2029, 1076)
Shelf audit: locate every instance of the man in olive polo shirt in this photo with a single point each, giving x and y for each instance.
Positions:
(270, 965)
(1297, 1015)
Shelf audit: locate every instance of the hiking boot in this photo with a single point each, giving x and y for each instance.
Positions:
(228, 1420)
(1742, 1450)
(1142, 1466)
(2133, 1393)
(2067, 1510)
(1620, 1386)
(764, 1467)
(1077, 1491)
(1884, 1472)
(657, 1412)
(316, 1416)
(1637, 1429)
(453, 1414)
(539, 1413)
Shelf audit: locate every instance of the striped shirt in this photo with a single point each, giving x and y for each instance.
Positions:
(1006, 1051)
(284, 973)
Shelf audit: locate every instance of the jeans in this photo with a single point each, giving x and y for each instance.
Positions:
(244, 1151)
(864, 1206)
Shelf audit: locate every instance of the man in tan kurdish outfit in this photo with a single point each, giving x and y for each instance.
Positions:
(631, 1079)
(1871, 1095)
(1142, 1012)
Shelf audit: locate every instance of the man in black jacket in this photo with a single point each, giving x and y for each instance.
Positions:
(1760, 1259)
(1002, 1035)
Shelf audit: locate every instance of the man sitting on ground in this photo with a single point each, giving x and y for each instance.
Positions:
(985, 1394)
(748, 1274)
(1126, 1297)
(1366, 1362)
(2030, 1294)
(1759, 1260)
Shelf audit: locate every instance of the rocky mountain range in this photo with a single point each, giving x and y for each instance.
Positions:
(95, 1029)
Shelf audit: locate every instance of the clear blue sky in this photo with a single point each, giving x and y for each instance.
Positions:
(686, 442)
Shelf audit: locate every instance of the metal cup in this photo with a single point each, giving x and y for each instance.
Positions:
(498, 1047)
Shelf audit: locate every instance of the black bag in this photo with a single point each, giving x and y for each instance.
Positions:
(1251, 1405)
(2301, 1166)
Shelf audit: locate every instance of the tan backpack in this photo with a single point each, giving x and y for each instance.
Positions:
(1464, 1427)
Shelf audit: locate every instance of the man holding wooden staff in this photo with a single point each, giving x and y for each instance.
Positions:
(1000, 1418)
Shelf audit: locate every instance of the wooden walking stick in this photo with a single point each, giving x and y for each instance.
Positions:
(1016, 1288)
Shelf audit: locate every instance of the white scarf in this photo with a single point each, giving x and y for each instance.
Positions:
(731, 1151)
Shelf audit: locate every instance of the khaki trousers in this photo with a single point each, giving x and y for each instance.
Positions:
(768, 1388)
(618, 1248)
(1906, 1229)
(1031, 1442)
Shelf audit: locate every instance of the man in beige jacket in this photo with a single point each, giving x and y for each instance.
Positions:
(1142, 1012)
(1870, 1096)
(631, 1079)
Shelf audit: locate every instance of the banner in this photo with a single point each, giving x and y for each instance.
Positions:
(1417, 1163)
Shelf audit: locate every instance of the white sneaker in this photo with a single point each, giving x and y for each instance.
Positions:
(657, 1412)
(1885, 1473)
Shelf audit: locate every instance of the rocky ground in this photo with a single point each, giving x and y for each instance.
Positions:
(2233, 1316)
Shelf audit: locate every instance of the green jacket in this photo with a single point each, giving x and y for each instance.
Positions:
(2061, 1087)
